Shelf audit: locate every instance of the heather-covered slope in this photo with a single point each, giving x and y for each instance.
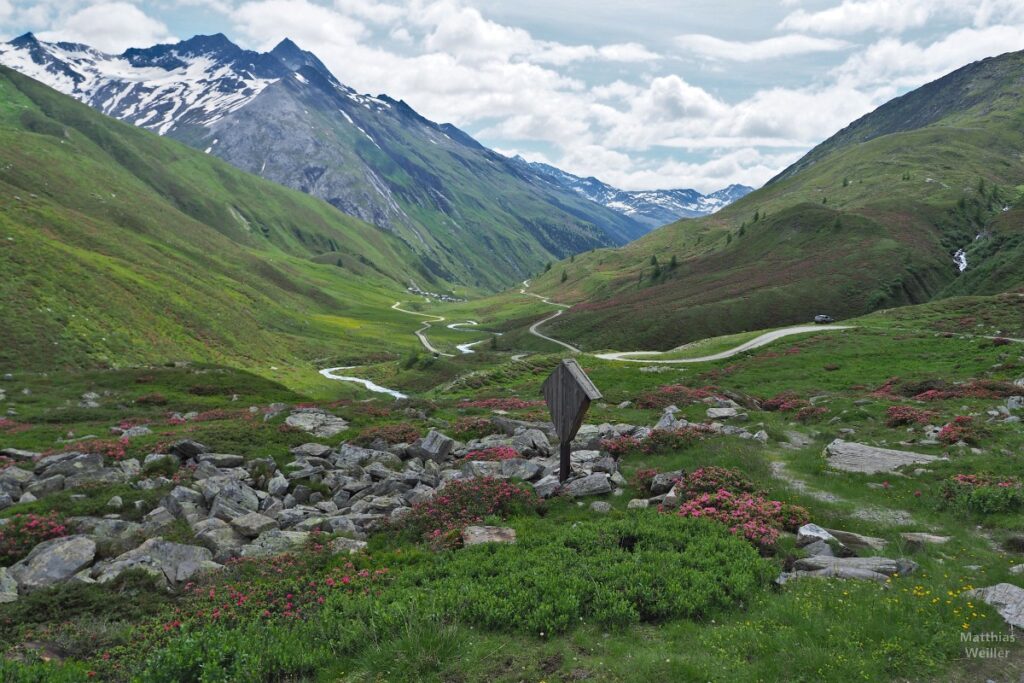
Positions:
(118, 246)
(870, 223)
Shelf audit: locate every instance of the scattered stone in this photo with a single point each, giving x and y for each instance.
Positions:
(317, 422)
(311, 450)
(664, 481)
(601, 507)
(253, 524)
(219, 538)
(90, 399)
(346, 546)
(917, 540)
(810, 533)
(858, 542)
(275, 542)
(112, 536)
(1007, 599)
(638, 504)
(855, 457)
(722, 413)
(115, 503)
(53, 561)
(434, 446)
(590, 485)
(20, 455)
(187, 449)
(221, 459)
(475, 535)
(159, 460)
(548, 486)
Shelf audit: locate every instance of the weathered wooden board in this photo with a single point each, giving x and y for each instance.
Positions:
(568, 393)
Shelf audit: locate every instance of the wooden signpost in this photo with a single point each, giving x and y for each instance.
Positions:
(568, 393)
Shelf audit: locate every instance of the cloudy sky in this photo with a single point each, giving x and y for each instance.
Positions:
(641, 93)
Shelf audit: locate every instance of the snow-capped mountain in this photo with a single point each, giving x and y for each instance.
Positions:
(478, 217)
(653, 208)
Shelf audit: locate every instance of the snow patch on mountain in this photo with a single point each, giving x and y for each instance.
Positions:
(653, 208)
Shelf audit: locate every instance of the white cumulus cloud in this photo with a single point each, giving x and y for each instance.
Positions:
(110, 27)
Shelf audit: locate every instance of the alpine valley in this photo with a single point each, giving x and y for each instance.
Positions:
(283, 116)
(281, 363)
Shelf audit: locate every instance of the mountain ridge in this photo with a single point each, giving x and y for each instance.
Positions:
(653, 208)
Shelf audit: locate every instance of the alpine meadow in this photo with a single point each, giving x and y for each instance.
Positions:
(462, 342)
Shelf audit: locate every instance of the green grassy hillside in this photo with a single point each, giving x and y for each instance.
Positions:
(869, 220)
(119, 247)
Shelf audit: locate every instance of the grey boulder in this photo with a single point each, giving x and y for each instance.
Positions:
(54, 561)
(175, 563)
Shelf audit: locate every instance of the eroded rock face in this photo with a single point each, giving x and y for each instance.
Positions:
(53, 561)
(856, 457)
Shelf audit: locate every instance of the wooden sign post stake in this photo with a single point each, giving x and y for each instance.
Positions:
(568, 392)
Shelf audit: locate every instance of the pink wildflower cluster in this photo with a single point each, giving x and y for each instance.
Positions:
(111, 449)
(277, 588)
(643, 477)
(757, 519)
(620, 445)
(810, 413)
(711, 479)
(464, 502)
(657, 442)
(897, 416)
(12, 427)
(396, 433)
(962, 428)
(673, 394)
(472, 427)
(785, 402)
(984, 389)
(495, 454)
(976, 480)
(24, 532)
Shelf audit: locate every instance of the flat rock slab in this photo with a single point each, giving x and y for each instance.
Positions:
(317, 422)
(590, 485)
(881, 565)
(1007, 599)
(475, 535)
(835, 572)
(857, 457)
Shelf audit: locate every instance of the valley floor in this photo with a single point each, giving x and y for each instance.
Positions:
(607, 582)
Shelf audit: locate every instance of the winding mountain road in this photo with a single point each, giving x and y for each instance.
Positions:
(420, 333)
(756, 342)
(534, 327)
